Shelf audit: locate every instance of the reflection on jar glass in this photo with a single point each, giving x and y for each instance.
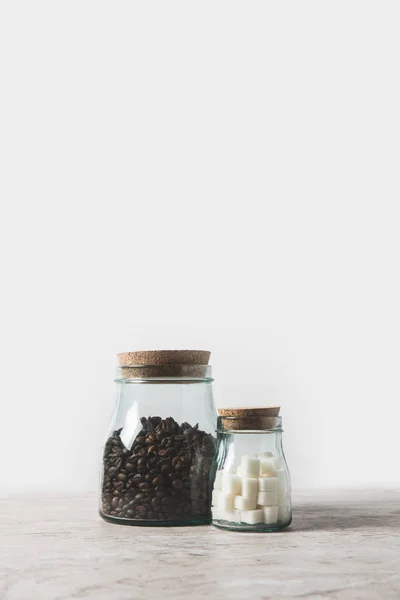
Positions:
(250, 477)
(160, 443)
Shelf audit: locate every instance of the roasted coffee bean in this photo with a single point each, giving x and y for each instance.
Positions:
(157, 481)
(168, 467)
(155, 502)
(144, 486)
(140, 497)
(141, 510)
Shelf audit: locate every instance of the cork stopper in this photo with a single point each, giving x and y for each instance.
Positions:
(144, 364)
(251, 418)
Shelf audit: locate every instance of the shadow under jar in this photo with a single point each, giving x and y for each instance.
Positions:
(250, 477)
(160, 444)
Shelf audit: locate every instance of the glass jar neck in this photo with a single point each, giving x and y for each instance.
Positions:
(164, 374)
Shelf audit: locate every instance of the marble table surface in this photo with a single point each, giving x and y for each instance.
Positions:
(341, 545)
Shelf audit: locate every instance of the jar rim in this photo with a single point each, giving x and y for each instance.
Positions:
(164, 373)
(240, 424)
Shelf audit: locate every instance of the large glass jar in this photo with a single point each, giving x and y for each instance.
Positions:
(250, 478)
(160, 443)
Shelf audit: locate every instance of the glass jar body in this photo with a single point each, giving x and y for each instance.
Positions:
(250, 482)
(158, 453)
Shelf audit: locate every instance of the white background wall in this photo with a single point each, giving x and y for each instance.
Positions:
(221, 175)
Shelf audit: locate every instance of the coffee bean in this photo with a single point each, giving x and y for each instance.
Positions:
(168, 467)
(140, 497)
(141, 510)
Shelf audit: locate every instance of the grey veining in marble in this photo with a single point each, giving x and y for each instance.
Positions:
(341, 545)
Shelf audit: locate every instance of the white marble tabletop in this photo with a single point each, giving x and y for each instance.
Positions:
(341, 545)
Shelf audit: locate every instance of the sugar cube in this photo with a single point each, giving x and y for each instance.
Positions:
(265, 455)
(250, 466)
(267, 498)
(233, 516)
(243, 503)
(267, 484)
(216, 512)
(249, 487)
(252, 516)
(214, 497)
(270, 515)
(231, 483)
(218, 480)
(239, 471)
(268, 466)
(226, 501)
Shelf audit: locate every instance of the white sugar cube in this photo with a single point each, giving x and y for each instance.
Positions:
(270, 515)
(278, 462)
(233, 516)
(239, 471)
(267, 484)
(252, 516)
(226, 501)
(216, 512)
(243, 503)
(267, 498)
(265, 455)
(231, 483)
(284, 513)
(249, 487)
(214, 497)
(268, 466)
(218, 481)
(250, 466)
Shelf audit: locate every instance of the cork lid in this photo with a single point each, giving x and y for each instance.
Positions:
(250, 418)
(144, 364)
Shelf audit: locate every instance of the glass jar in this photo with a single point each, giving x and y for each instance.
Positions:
(250, 478)
(160, 444)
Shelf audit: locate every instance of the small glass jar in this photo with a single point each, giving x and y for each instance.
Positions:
(250, 478)
(160, 444)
